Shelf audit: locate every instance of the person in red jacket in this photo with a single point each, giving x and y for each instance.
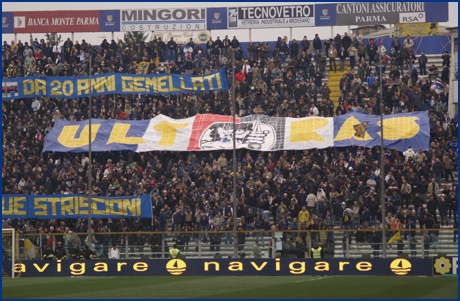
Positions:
(123, 116)
(239, 77)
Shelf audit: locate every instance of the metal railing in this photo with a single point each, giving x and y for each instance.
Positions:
(420, 243)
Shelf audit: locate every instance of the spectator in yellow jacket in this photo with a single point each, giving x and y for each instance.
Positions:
(304, 215)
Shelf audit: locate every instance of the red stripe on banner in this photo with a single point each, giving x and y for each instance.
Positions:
(201, 123)
(6, 89)
(57, 21)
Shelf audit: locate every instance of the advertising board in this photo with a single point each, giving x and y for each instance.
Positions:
(225, 267)
(271, 16)
(163, 19)
(57, 21)
(344, 14)
(445, 265)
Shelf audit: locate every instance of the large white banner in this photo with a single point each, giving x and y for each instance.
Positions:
(207, 132)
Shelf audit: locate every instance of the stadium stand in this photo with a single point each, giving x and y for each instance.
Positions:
(192, 191)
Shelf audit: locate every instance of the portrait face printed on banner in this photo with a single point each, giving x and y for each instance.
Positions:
(252, 135)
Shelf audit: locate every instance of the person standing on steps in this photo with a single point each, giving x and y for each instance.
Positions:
(332, 54)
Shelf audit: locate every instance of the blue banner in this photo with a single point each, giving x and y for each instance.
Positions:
(7, 22)
(68, 136)
(74, 206)
(110, 21)
(399, 130)
(79, 86)
(325, 14)
(216, 18)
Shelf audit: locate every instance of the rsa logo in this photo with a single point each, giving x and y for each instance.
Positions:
(412, 17)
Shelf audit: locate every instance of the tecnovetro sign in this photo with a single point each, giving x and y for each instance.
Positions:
(163, 19)
(271, 16)
(224, 267)
(340, 14)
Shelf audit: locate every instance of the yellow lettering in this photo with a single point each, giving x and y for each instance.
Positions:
(83, 86)
(215, 263)
(40, 85)
(67, 136)
(140, 267)
(131, 206)
(182, 85)
(110, 83)
(364, 266)
(342, 264)
(28, 86)
(163, 84)
(95, 84)
(38, 204)
(138, 84)
(399, 128)
(10, 206)
(219, 81)
(277, 264)
(352, 128)
(171, 85)
(119, 204)
(82, 204)
(75, 271)
(19, 268)
(168, 132)
(298, 270)
(306, 129)
(59, 267)
(53, 202)
(18, 206)
(197, 82)
(151, 82)
(126, 84)
(67, 88)
(258, 268)
(101, 267)
(209, 78)
(235, 266)
(108, 207)
(322, 266)
(94, 206)
(67, 205)
(119, 265)
(55, 87)
(41, 270)
(119, 132)
(103, 84)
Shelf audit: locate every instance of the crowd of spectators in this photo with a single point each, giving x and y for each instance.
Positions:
(192, 191)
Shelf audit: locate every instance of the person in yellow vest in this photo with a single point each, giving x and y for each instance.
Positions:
(316, 252)
(174, 252)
